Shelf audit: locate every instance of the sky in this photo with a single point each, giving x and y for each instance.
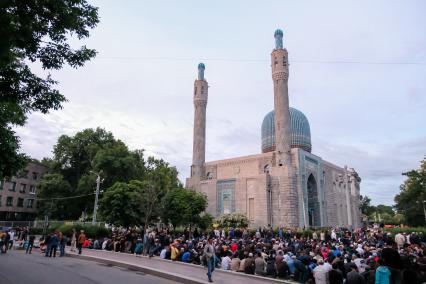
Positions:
(357, 71)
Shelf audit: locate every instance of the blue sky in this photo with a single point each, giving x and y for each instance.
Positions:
(357, 71)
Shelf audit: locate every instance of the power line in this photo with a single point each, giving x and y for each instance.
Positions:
(63, 198)
(261, 60)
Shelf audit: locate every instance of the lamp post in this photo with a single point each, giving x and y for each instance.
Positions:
(98, 183)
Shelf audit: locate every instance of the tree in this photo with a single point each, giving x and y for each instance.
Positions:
(398, 219)
(205, 221)
(384, 209)
(94, 150)
(51, 187)
(36, 32)
(148, 200)
(118, 163)
(183, 207)
(155, 179)
(119, 206)
(11, 160)
(365, 205)
(73, 155)
(412, 196)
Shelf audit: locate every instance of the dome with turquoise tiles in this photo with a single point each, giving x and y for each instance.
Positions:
(300, 131)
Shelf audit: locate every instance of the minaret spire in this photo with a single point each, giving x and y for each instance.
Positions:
(279, 62)
(278, 39)
(199, 143)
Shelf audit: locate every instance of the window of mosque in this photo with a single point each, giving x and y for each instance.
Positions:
(251, 209)
(226, 204)
(225, 197)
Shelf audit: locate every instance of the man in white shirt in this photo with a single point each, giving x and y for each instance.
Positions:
(360, 250)
(321, 273)
(327, 265)
(226, 262)
(360, 263)
(333, 235)
(12, 237)
(163, 253)
(104, 244)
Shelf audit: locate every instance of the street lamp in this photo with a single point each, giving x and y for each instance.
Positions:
(98, 183)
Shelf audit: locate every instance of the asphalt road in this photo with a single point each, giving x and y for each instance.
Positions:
(18, 268)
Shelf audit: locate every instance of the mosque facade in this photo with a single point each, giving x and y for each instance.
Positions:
(286, 184)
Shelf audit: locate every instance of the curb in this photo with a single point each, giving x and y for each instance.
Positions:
(147, 270)
(169, 275)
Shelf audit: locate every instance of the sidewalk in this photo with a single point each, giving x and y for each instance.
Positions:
(176, 271)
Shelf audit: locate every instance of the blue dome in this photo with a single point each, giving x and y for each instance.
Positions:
(300, 131)
(201, 66)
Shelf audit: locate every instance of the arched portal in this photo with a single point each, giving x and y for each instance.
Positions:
(226, 204)
(313, 203)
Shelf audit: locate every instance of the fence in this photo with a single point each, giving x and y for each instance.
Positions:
(41, 223)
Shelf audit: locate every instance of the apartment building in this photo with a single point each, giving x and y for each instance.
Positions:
(18, 195)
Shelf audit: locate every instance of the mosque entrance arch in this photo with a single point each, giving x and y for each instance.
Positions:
(313, 203)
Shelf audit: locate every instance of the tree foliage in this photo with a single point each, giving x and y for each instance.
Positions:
(380, 213)
(119, 205)
(365, 205)
(183, 207)
(77, 157)
(36, 32)
(53, 186)
(147, 193)
(412, 196)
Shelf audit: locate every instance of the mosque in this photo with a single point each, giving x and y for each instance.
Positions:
(285, 185)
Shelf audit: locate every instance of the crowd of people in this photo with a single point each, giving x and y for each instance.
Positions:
(367, 255)
(8, 237)
(49, 244)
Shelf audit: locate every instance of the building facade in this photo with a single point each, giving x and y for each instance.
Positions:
(285, 185)
(18, 195)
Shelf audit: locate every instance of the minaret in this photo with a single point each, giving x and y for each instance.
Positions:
(287, 211)
(200, 104)
(279, 61)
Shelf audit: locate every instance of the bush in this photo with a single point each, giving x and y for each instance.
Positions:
(395, 231)
(40, 231)
(233, 220)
